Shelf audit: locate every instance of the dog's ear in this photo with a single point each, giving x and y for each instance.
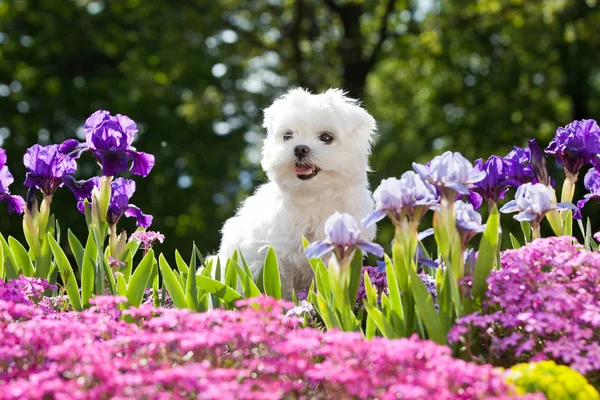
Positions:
(295, 96)
(361, 122)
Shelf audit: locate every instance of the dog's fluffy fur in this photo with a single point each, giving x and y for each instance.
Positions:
(286, 208)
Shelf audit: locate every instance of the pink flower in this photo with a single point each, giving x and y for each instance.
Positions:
(251, 353)
(147, 238)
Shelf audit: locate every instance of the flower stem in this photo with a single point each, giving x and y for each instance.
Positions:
(568, 188)
(44, 216)
(535, 230)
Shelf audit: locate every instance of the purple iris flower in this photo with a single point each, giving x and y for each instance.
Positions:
(15, 203)
(591, 181)
(450, 173)
(342, 236)
(408, 196)
(496, 182)
(576, 145)
(109, 138)
(121, 191)
(47, 167)
(518, 168)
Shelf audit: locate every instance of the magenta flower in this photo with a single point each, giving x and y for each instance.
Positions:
(543, 304)
(576, 145)
(254, 352)
(15, 203)
(110, 139)
(121, 191)
(48, 168)
(342, 237)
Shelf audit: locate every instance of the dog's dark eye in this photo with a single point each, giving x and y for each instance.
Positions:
(287, 136)
(326, 138)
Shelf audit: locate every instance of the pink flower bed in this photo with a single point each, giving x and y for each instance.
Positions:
(544, 304)
(254, 353)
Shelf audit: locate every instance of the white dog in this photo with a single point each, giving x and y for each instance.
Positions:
(316, 158)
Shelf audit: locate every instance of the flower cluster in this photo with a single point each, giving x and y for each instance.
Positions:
(253, 353)
(15, 203)
(543, 304)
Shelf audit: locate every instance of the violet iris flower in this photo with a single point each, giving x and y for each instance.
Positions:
(109, 138)
(121, 191)
(518, 167)
(576, 145)
(48, 168)
(496, 182)
(450, 173)
(408, 196)
(15, 203)
(591, 181)
(342, 236)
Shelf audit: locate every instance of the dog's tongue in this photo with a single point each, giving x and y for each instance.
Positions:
(303, 169)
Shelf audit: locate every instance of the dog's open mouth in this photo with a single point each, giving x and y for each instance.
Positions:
(305, 171)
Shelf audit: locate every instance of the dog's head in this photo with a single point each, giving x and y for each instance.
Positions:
(317, 141)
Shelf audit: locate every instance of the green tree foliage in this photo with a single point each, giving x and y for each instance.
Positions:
(476, 77)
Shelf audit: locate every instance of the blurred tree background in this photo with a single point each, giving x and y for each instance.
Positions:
(463, 75)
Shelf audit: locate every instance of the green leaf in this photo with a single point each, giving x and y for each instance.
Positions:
(568, 223)
(327, 313)
(231, 275)
(110, 278)
(87, 270)
(488, 249)
(322, 279)
(181, 265)
(526, 229)
(139, 280)
(219, 289)
(1, 262)
(248, 286)
(191, 290)
(355, 274)
(271, 278)
(76, 248)
(174, 287)
(312, 261)
(66, 273)
(514, 242)
(121, 285)
(44, 262)
(426, 309)
(381, 322)
(21, 256)
(11, 267)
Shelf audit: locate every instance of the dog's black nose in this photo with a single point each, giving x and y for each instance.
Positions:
(301, 151)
